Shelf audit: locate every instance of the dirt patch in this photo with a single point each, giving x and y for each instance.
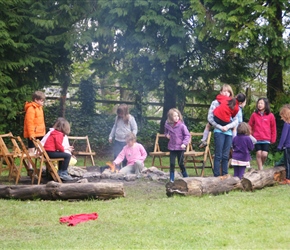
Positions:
(148, 186)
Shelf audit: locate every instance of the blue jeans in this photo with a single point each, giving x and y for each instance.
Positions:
(117, 148)
(63, 165)
(222, 148)
(287, 162)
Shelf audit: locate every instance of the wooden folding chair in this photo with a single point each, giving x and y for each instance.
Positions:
(87, 152)
(43, 157)
(26, 159)
(8, 156)
(157, 153)
(3, 165)
(198, 158)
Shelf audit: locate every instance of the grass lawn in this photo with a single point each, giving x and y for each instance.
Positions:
(147, 219)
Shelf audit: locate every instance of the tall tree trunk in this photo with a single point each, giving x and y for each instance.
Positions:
(274, 78)
(170, 91)
(65, 79)
(275, 70)
(138, 108)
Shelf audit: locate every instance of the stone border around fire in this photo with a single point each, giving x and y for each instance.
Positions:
(151, 173)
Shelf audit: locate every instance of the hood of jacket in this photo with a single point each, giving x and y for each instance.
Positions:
(31, 104)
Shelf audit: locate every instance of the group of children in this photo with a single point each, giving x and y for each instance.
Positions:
(55, 142)
(225, 115)
(230, 132)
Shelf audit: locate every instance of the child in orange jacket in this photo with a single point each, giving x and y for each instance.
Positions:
(34, 125)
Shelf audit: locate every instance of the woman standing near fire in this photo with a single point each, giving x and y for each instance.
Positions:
(124, 124)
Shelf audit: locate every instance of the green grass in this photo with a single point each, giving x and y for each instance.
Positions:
(147, 219)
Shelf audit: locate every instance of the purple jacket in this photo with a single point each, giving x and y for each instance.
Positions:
(285, 137)
(242, 146)
(179, 135)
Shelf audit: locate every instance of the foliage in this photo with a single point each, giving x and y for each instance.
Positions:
(152, 49)
(274, 157)
(34, 35)
(87, 96)
(251, 31)
(20, 60)
(173, 52)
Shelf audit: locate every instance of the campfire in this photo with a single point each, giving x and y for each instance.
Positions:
(112, 167)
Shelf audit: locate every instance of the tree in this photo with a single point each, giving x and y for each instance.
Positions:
(23, 65)
(254, 30)
(150, 45)
(67, 19)
(275, 46)
(37, 43)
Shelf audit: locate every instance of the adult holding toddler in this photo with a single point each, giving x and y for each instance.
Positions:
(228, 108)
(222, 135)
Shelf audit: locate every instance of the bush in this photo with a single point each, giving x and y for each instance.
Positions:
(98, 127)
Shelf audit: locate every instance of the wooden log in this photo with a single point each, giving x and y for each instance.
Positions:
(255, 179)
(198, 186)
(58, 191)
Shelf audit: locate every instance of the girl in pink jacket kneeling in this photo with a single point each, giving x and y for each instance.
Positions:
(135, 154)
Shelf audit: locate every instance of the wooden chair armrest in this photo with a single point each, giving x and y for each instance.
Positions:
(83, 153)
(193, 153)
(159, 153)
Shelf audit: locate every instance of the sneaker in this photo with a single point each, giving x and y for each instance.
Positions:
(285, 182)
(224, 177)
(202, 144)
(66, 177)
(102, 169)
(30, 172)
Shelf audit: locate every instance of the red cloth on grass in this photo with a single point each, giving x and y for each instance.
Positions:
(72, 220)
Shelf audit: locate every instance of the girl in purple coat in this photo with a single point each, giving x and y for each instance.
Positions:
(179, 136)
(284, 143)
(242, 146)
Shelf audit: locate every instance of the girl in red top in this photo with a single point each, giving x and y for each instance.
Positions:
(55, 149)
(263, 126)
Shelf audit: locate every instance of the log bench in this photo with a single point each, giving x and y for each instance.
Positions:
(251, 181)
(58, 191)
